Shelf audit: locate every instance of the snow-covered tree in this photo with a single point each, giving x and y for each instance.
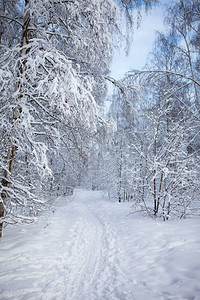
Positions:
(53, 58)
(159, 127)
(47, 97)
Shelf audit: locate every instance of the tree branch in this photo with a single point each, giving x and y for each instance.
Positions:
(12, 19)
(136, 72)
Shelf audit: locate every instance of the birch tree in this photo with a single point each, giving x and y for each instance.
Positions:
(46, 92)
(54, 55)
(161, 149)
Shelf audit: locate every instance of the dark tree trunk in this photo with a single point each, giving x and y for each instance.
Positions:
(16, 113)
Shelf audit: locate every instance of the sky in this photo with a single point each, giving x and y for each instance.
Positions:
(141, 45)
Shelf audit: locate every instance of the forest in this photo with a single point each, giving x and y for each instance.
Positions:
(99, 176)
(55, 134)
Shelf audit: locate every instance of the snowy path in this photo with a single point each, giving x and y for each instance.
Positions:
(89, 250)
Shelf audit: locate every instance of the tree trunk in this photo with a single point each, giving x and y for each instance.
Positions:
(6, 182)
(120, 176)
(16, 113)
(154, 182)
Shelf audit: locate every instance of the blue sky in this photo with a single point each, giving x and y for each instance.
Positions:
(142, 43)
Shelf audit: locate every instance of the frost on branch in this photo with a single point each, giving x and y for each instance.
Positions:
(50, 94)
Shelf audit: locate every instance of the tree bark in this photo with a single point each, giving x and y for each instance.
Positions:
(120, 175)
(12, 151)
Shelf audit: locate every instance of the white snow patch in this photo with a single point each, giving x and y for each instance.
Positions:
(89, 248)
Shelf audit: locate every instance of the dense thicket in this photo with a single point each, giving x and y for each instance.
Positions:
(154, 156)
(53, 58)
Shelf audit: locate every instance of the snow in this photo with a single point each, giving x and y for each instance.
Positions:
(91, 248)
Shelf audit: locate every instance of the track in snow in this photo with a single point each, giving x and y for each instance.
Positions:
(93, 263)
(74, 256)
(89, 250)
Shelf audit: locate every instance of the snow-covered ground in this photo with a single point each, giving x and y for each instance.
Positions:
(90, 249)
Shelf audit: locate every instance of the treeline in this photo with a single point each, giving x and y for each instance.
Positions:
(54, 56)
(54, 63)
(153, 158)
